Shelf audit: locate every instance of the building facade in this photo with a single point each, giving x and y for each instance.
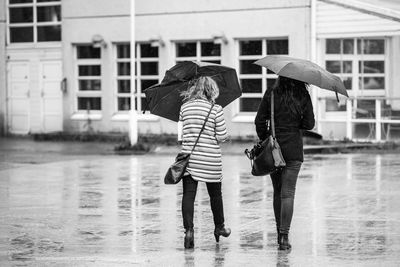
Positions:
(68, 62)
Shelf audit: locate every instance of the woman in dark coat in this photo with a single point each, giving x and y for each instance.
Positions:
(293, 113)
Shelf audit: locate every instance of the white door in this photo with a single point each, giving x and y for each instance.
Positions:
(50, 86)
(18, 97)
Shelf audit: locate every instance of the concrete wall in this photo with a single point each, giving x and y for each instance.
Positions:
(3, 84)
(175, 20)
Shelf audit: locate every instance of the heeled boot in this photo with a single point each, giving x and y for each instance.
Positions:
(284, 242)
(221, 230)
(189, 238)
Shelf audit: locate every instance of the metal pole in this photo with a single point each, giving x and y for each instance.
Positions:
(133, 122)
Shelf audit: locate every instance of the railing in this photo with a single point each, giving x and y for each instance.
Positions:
(360, 119)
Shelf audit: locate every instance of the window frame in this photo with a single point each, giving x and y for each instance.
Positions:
(198, 56)
(246, 116)
(124, 114)
(356, 58)
(83, 114)
(34, 24)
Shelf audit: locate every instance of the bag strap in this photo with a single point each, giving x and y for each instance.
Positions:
(202, 128)
(272, 114)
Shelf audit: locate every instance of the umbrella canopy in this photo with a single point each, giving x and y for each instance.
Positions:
(303, 70)
(164, 99)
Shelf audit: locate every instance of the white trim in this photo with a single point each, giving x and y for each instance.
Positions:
(85, 116)
(244, 118)
(357, 34)
(140, 117)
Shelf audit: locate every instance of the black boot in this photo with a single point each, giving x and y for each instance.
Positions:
(284, 242)
(221, 230)
(189, 238)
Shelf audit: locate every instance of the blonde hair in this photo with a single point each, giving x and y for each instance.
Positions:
(202, 88)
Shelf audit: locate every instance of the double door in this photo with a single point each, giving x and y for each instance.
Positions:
(34, 97)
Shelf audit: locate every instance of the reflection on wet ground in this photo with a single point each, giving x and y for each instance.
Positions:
(117, 211)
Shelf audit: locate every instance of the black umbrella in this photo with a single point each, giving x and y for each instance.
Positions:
(164, 99)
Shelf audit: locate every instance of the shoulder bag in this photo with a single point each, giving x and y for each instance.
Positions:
(176, 171)
(266, 156)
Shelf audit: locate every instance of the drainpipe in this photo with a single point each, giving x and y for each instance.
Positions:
(133, 120)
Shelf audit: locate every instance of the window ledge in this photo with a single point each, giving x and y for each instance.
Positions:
(85, 116)
(141, 117)
(243, 118)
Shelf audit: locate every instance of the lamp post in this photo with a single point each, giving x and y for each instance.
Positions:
(133, 122)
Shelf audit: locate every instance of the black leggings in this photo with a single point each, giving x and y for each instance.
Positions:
(284, 183)
(189, 195)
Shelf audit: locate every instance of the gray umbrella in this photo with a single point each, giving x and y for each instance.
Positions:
(303, 70)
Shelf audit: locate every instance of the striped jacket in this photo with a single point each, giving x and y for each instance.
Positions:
(205, 163)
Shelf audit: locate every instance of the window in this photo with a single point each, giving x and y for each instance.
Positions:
(205, 51)
(88, 71)
(31, 21)
(360, 62)
(147, 71)
(254, 79)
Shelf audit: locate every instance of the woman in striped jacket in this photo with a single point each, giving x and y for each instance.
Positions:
(205, 162)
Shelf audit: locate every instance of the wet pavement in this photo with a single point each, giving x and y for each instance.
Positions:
(109, 210)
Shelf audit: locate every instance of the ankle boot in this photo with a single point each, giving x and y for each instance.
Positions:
(189, 238)
(284, 242)
(221, 230)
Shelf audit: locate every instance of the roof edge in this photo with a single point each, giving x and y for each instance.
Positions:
(368, 8)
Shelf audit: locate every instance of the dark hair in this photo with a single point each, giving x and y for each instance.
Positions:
(292, 93)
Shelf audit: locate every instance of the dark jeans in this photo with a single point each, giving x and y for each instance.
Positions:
(284, 183)
(189, 195)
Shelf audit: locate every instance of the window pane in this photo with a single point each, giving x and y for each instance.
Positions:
(49, 13)
(270, 83)
(210, 49)
(89, 103)
(21, 35)
(249, 104)
(333, 105)
(250, 48)
(49, 33)
(145, 106)
(372, 83)
(124, 86)
(20, 1)
(186, 49)
(371, 46)
(333, 46)
(372, 67)
(348, 46)
(124, 68)
(347, 67)
(124, 103)
(149, 68)
(146, 50)
(87, 51)
(348, 83)
(90, 70)
(251, 85)
(333, 66)
(21, 14)
(247, 67)
(123, 51)
(89, 85)
(147, 83)
(277, 47)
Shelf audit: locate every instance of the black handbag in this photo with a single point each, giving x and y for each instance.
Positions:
(266, 156)
(176, 171)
